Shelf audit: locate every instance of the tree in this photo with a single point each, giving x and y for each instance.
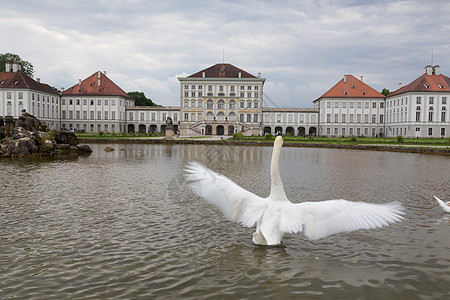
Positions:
(385, 92)
(141, 100)
(26, 66)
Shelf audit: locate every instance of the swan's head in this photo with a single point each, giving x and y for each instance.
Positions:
(278, 141)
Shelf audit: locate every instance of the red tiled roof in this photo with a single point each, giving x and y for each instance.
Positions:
(350, 87)
(223, 71)
(21, 80)
(90, 87)
(426, 83)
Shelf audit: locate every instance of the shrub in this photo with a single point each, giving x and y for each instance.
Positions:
(268, 136)
(353, 139)
(400, 139)
(101, 133)
(238, 136)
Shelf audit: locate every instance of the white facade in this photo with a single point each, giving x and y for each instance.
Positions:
(94, 114)
(215, 105)
(418, 115)
(420, 109)
(351, 108)
(151, 119)
(351, 117)
(18, 91)
(292, 121)
(95, 104)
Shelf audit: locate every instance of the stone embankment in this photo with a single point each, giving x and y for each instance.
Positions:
(28, 136)
(379, 147)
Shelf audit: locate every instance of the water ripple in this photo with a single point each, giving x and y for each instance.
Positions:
(122, 225)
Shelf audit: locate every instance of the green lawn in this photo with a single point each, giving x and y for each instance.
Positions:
(315, 140)
(353, 140)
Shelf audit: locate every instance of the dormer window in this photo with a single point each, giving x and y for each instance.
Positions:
(2, 82)
(426, 86)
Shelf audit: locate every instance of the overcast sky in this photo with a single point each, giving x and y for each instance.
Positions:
(302, 48)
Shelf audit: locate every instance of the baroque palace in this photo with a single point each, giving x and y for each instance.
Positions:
(223, 100)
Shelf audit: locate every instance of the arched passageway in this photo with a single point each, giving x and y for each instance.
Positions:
(208, 130)
(142, 128)
(220, 130)
(290, 131)
(301, 131)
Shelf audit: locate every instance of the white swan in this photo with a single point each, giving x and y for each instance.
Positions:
(444, 205)
(276, 215)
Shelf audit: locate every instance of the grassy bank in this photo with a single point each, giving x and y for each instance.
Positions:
(353, 140)
(440, 142)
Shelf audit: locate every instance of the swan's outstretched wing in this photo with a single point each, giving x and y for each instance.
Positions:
(442, 204)
(321, 219)
(236, 203)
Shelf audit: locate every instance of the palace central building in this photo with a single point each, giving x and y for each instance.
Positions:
(221, 100)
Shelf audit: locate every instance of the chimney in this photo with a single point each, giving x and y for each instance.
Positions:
(345, 78)
(203, 74)
(400, 85)
(239, 75)
(429, 70)
(104, 72)
(362, 78)
(79, 81)
(8, 67)
(15, 67)
(259, 75)
(62, 90)
(437, 70)
(38, 80)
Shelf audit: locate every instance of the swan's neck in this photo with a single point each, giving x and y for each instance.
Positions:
(277, 190)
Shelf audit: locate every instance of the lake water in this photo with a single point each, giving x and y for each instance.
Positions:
(123, 225)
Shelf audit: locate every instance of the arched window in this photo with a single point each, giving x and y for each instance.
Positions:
(220, 104)
(232, 104)
(220, 116)
(232, 117)
(209, 116)
(200, 103)
(192, 103)
(209, 104)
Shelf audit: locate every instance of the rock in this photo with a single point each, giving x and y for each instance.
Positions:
(45, 143)
(66, 137)
(30, 123)
(62, 146)
(2, 132)
(84, 149)
(20, 132)
(30, 136)
(20, 147)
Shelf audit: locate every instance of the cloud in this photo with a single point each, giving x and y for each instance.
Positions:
(302, 47)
